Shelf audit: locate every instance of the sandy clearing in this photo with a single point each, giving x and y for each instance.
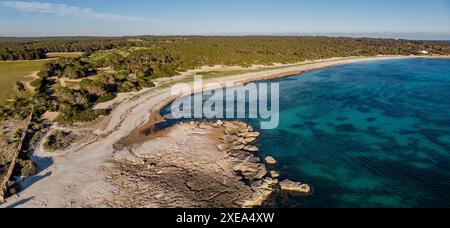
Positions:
(33, 76)
(50, 116)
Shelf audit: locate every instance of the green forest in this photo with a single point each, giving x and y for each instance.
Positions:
(36, 48)
(231, 50)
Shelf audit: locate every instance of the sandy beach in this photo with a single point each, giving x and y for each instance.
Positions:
(81, 176)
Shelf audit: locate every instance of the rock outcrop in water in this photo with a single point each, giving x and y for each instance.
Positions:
(296, 187)
(270, 160)
(274, 174)
(237, 143)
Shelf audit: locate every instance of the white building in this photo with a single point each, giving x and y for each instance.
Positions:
(424, 52)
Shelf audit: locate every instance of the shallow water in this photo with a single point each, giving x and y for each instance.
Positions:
(374, 134)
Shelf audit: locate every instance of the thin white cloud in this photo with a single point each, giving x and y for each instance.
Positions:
(63, 9)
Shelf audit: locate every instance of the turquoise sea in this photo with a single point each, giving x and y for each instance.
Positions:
(364, 135)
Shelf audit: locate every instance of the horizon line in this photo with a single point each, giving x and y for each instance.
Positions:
(382, 35)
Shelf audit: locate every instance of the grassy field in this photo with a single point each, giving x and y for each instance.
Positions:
(64, 54)
(13, 71)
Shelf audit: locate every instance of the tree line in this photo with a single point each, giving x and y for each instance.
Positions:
(166, 59)
(211, 50)
(36, 48)
(14, 52)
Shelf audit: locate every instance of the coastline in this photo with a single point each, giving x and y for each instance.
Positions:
(235, 80)
(76, 176)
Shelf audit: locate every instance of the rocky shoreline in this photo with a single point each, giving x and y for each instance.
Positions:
(197, 164)
(238, 142)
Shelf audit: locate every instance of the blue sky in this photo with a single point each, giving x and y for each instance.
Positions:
(223, 17)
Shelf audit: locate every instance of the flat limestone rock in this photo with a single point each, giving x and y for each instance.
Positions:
(230, 138)
(224, 147)
(271, 181)
(251, 170)
(270, 160)
(231, 131)
(274, 174)
(262, 194)
(236, 127)
(252, 149)
(253, 135)
(259, 199)
(243, 127)
(240, 141)
(230, 126)
(291, 186)
(250, 128)
(239, 147)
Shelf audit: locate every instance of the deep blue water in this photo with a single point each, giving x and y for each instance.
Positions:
(374, 134)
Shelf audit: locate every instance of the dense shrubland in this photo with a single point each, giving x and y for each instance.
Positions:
(194, 51)
(167, 58)
(73, 105)
(72, 68)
